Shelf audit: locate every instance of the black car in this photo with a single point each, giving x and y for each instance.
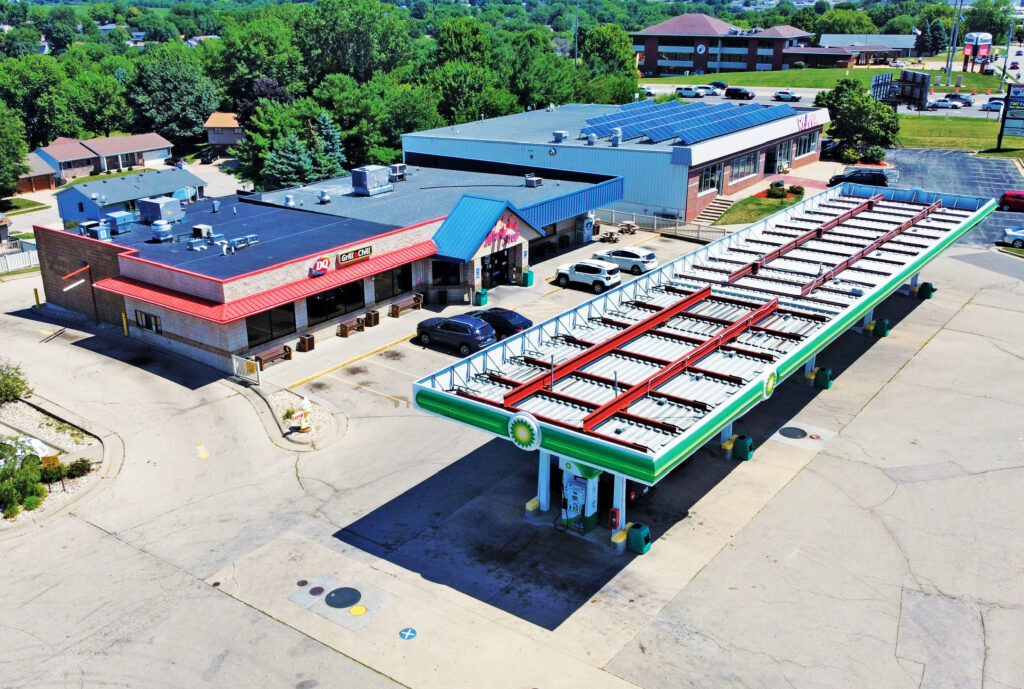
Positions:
(875, 178)
(720, 85)
(504, 322)
(463, 333)
(830, 149)
(208, 156)
(739, 93)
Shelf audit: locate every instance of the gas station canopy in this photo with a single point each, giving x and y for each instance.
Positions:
(636, 380)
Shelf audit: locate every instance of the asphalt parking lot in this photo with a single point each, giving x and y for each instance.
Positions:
(967, 174)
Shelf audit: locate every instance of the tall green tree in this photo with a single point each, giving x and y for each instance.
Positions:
(899, 26)
(858, 120)
(272, 122)
(172, 95)
(845, 21)
(355, 37)
(940, 36)
(102, 103)
(60, 36)
(326, 152)
(260, 49)
(990, 16)
(37, 88)
(13, 150)
(288, 165)
(468, 92)
(608, 49)
(20, 41)
(464, 39)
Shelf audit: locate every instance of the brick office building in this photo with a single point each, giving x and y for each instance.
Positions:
(701, 44)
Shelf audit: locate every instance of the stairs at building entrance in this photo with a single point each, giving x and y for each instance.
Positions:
(715, 210)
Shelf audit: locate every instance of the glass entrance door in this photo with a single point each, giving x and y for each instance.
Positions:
(494, 269)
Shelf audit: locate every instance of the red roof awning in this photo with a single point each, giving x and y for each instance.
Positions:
(241, 308)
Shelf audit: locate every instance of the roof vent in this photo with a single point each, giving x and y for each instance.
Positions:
(370, 180)
(162, 231)
(323, 196)
(396, 173)
(289, 200)
(559, 135)
(533, 180)
(216, 206)
(616, 136)
(202, 231)
(591, 139)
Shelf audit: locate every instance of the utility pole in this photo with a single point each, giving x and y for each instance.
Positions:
(1002, 77)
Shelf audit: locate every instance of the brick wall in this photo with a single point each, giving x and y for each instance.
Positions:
(61, 253)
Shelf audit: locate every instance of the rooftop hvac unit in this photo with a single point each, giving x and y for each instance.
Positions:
(323, 196)
(559, 135)
(533, 180)
(202, 231)
(371, 180)
(289, 200)
(616, 136)
(162, 231)
(397, 172)
(120, 222)
(160, 208)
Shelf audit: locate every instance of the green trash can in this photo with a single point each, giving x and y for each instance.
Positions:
(743, 448)
(527, 278)
(481, 297)
(823, 379)
(638, 539)
(925, 290)
(881, 327)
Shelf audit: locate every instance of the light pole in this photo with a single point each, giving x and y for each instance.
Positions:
(1002, 77)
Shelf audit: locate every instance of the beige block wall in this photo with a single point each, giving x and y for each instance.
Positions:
(209, 343)
(172, 279)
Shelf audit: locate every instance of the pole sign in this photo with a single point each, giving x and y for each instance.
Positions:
(353, 255)
(320, 266)
(1015, 111)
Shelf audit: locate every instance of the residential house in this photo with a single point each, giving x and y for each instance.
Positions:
(222, 129)
(40, 175)
(138, 38)
(107, 28)
(95, 200)
(196, 40)
(76, 157)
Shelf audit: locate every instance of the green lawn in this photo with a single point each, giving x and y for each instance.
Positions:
(1015, 252)
(823, 78)
(108, 175)
(752, 209)
(17, 206)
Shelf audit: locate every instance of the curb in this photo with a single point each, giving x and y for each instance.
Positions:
(276, 432)
(1009, 253)
(113, 460)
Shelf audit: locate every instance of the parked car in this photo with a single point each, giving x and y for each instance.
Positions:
(709, 90)
(830, 149)
(464, 333)
(739, 93)
(992, 99)
(504, 322)
(993, 106)
(208, 156)
(943, 105)
(1012, 201)
(689, 92)
(598, 275)
(720, 85)
(1019, 52)
(960, 98)
(636, 260)
(1014, 65)
(787, 95)
(875, 178)
(988, 71)
(647, 91)
(1014, 236)
(897, 63)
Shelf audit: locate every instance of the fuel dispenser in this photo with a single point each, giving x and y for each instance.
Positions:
(579, 496)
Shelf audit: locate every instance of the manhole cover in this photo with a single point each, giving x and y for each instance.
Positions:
(343, 598)
(793, 432)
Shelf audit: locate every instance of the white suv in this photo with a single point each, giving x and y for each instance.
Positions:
(636, 260)
(598, 275)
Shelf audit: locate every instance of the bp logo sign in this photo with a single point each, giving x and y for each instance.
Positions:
(524, 431)
(769, 384)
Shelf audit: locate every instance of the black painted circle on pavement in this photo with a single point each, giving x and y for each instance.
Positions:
(316, 590)
(792, 432)
(344, 597)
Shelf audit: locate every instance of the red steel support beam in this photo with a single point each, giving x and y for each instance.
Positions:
(843, 265)
(514, 397)
(622, 402)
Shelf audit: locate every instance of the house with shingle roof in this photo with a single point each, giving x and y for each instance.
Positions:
(701, 44)
(222, 129)
(74, 158)
(95, 200)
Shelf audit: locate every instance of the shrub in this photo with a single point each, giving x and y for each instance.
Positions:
(849, 156)
(776, 193)
(288, 415)
(796, 190)
(11, 511)
(52, 474)
(799, 65)
(8, 495)
(79, 467)
(874, 154)
(777, 183)
(32, 502)
(12, 382)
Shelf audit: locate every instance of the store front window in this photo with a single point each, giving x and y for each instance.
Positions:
(445, 274)
(335, 302)
(270, 325)
(393, 282)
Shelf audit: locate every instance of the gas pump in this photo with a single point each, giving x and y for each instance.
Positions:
(579, 496)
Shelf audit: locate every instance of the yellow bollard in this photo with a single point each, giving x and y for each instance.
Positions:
(35, 291)
(124, 322)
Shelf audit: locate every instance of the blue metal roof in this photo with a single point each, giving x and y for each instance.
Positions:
(467, 226)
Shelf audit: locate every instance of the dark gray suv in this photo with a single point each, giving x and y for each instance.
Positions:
(875, 178)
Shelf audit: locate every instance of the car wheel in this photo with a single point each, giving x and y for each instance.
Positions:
(563, 280)
(598, 287)
(425, 338)
(465, 349)
(1018, 243)
(635, 270)
(1004, 207)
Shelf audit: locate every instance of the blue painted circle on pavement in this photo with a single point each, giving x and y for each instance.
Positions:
(407, 633)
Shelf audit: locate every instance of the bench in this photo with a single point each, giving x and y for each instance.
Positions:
(411, 301)
(273, 354)
(351, 325)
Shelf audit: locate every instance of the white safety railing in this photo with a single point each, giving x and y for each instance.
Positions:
(672, 227)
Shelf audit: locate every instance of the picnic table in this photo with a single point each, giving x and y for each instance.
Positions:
(628, 227)
(611, 236)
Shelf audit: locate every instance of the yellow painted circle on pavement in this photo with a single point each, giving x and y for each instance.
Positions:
(358, 610)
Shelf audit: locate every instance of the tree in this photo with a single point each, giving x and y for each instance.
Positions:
(13, 150)
(271, 122)
(102, 103)
(102, 12)
(924, 44)
(288, 165)
(465, 39)
(172, 95)
(608, 49)
(805, 19)
(940, 37)
(468, 91)
(858, 120)
(117, 39)
(60, 36)
(327, 155)
(19, 41)
(899, 26)
(261, 90)
(259, 50)
(354, 37)
(821, 6)
(845, 21)
(37, 88)
(990, 16)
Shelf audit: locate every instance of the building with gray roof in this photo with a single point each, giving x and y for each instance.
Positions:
(95, 200)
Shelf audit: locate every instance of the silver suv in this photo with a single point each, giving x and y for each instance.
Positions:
(598, 275)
